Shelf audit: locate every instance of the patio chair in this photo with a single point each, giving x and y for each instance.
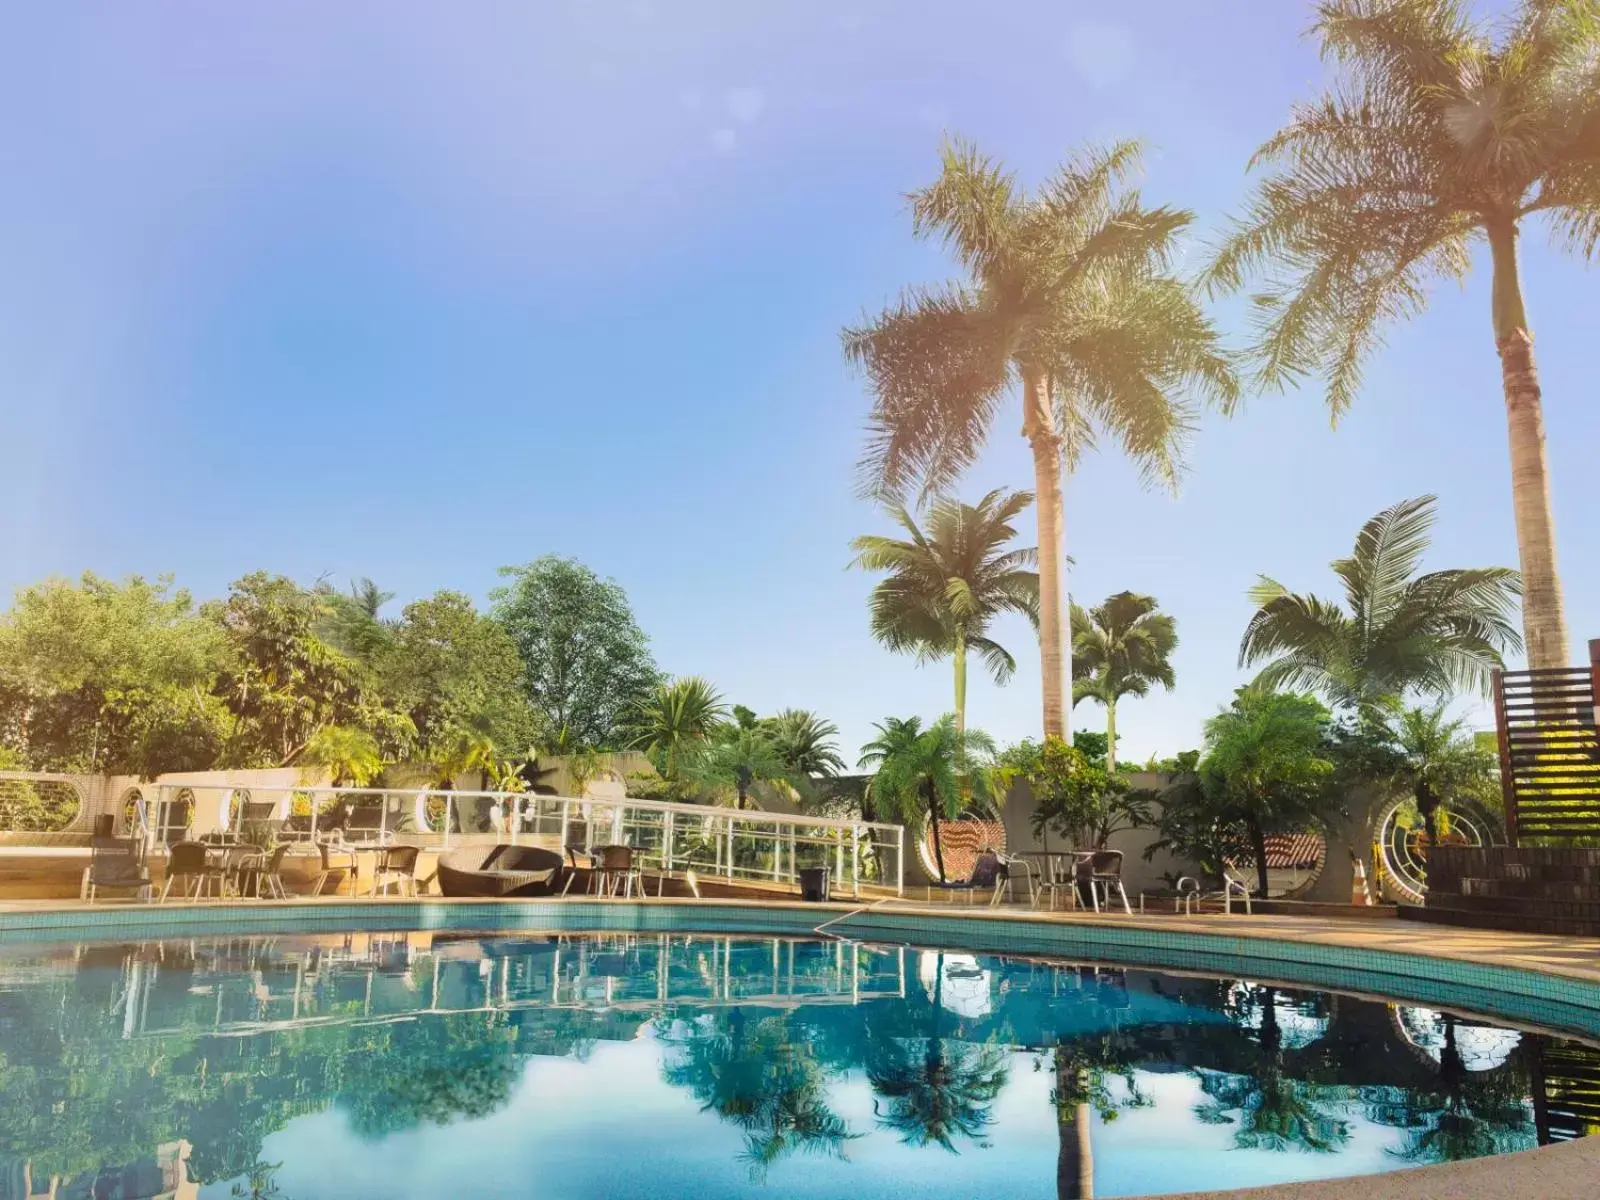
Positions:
(988, 874)
(1100, 872)
(264, 877)
(576, 844)
(617, 871)
(117, 864)
(397, 867)
(1190, 893)
(191, 862)
(334, 858)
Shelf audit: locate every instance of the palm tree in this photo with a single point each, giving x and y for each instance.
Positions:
(1068, 294)
(1119, 649)
(675, 718)
(1437, 135)
(738, 761)
(925, 771)
(806, 743)
(1435, 634)
(1266, 765)
(947, 585)
(1440, 761)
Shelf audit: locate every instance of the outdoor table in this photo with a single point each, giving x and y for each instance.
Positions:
(1057, 868)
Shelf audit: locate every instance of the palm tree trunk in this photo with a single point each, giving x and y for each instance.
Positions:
(1074, 1148)
(1258, 846)
(1039, 427)
(933, 825)
(961, 681)
(1111, 736)
(1544, 622)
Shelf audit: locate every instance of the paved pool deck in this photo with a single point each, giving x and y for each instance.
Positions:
(1569, 1171)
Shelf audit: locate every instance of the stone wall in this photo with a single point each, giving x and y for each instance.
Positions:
(1535, 889)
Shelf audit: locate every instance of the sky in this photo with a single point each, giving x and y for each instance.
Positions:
(415, 291)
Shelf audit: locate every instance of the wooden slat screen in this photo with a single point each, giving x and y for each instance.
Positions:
(1550, 750)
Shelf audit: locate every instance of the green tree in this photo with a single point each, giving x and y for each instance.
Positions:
(1067, 293)
(1437, 133)
(807, 744)
(1439, 761)
(674, 720)
(351, 621)
(735, 762)
(1400, 632)
(930, 772)
(349, 756)
(1120, 648)
(1080, 800)
(448, 666)
(946, 585)
(586, 663)
(1266, 765)
(281, 681)
(99, 675)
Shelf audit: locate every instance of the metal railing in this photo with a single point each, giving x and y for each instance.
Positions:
(731, 844)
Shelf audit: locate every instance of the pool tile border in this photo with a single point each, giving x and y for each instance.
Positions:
(1523, 995)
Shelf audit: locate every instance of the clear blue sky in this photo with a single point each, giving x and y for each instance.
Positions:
(414, 290)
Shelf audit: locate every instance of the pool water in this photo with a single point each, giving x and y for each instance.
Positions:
(417, 1065)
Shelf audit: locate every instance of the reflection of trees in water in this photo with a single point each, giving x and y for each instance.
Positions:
(932, 1090)
(1465, 1114)
(1273, 1110)
(259, 1184)
(761, 1077)
(1289, 1071)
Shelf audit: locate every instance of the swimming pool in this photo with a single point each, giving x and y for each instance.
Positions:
(386, 1064)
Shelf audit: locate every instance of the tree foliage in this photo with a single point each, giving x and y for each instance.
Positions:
(1267, 766)
(948, 583)
(1120, 648)
(1399, 633)
(1081, 801)
(586, 663)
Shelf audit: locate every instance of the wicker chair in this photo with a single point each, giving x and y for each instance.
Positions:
(502, 871)
(397, 868)
(191, 862)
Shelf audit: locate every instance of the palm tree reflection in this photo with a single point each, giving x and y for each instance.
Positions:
(757, 1077)
(936, 1092)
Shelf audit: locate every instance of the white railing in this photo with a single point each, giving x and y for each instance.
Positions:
(713, 842)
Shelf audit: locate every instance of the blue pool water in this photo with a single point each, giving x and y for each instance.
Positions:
(416, 1065)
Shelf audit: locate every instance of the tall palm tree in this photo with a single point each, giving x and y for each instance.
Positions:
(674, 719)
(1439, 134)
(946, 585)
(1440, 761)
(1403, 633)
(806, 743)
(1120, 648)
(930, 772)
(1068, 294)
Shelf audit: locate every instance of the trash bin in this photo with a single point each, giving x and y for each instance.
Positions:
(814, 883)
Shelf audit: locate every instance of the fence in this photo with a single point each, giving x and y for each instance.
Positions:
(1545, 722)
(716, 842)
